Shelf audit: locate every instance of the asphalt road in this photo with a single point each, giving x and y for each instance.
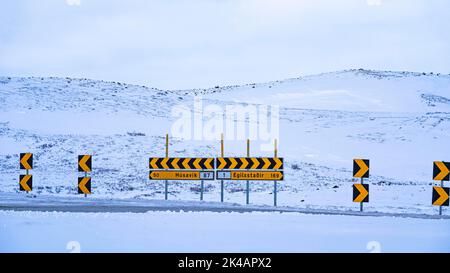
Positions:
(16, 202)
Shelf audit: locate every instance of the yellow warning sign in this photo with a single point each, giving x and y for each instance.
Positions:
(181, 175)
(26, 161)
(250, 175)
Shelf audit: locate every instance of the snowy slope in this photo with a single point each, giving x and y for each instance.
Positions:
(350, 90)
(400, 120)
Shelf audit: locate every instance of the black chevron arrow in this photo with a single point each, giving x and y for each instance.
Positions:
(169, 162)
(191, 163)
(159, 163)
(202, 163)
(228, 163)
(261, 163)
(239, 163)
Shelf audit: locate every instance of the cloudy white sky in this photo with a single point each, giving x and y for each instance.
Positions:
(177, 44)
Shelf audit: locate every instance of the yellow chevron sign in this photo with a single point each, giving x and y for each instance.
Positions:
(84, 185)
(441, 170)
(252, 163)
(440, 196)
(250, 175)
(26, 161)
(176, 163)
(181, 175)
(85, 163)
(25, 182)
(360, 193)
(361, 168)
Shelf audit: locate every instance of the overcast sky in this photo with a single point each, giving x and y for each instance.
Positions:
(178, 44)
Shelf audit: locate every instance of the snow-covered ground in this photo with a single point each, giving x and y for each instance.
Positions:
(399, 120)
(218, 232)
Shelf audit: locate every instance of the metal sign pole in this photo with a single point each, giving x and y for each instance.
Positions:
(275, 193)
(221, 190)
(221, 154)
(201, 190)
(85, 175)
(361, 203)
(442, 185)
(440, 207)
(165, 189)
(166, 186)
(275, 182)
(248, 182)
(27, 174)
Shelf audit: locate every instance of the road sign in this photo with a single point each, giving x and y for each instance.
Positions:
(250, 175)
(440, 196)
(181, 175)
(26, 182)
(85, 163)
(177, 163)
(26, 161)
(84, 185)
(255, 163)
(441, 170)
(361, 168)
(361, 193)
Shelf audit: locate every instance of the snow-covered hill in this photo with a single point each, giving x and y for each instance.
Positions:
(399, 120)
(349, 90)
